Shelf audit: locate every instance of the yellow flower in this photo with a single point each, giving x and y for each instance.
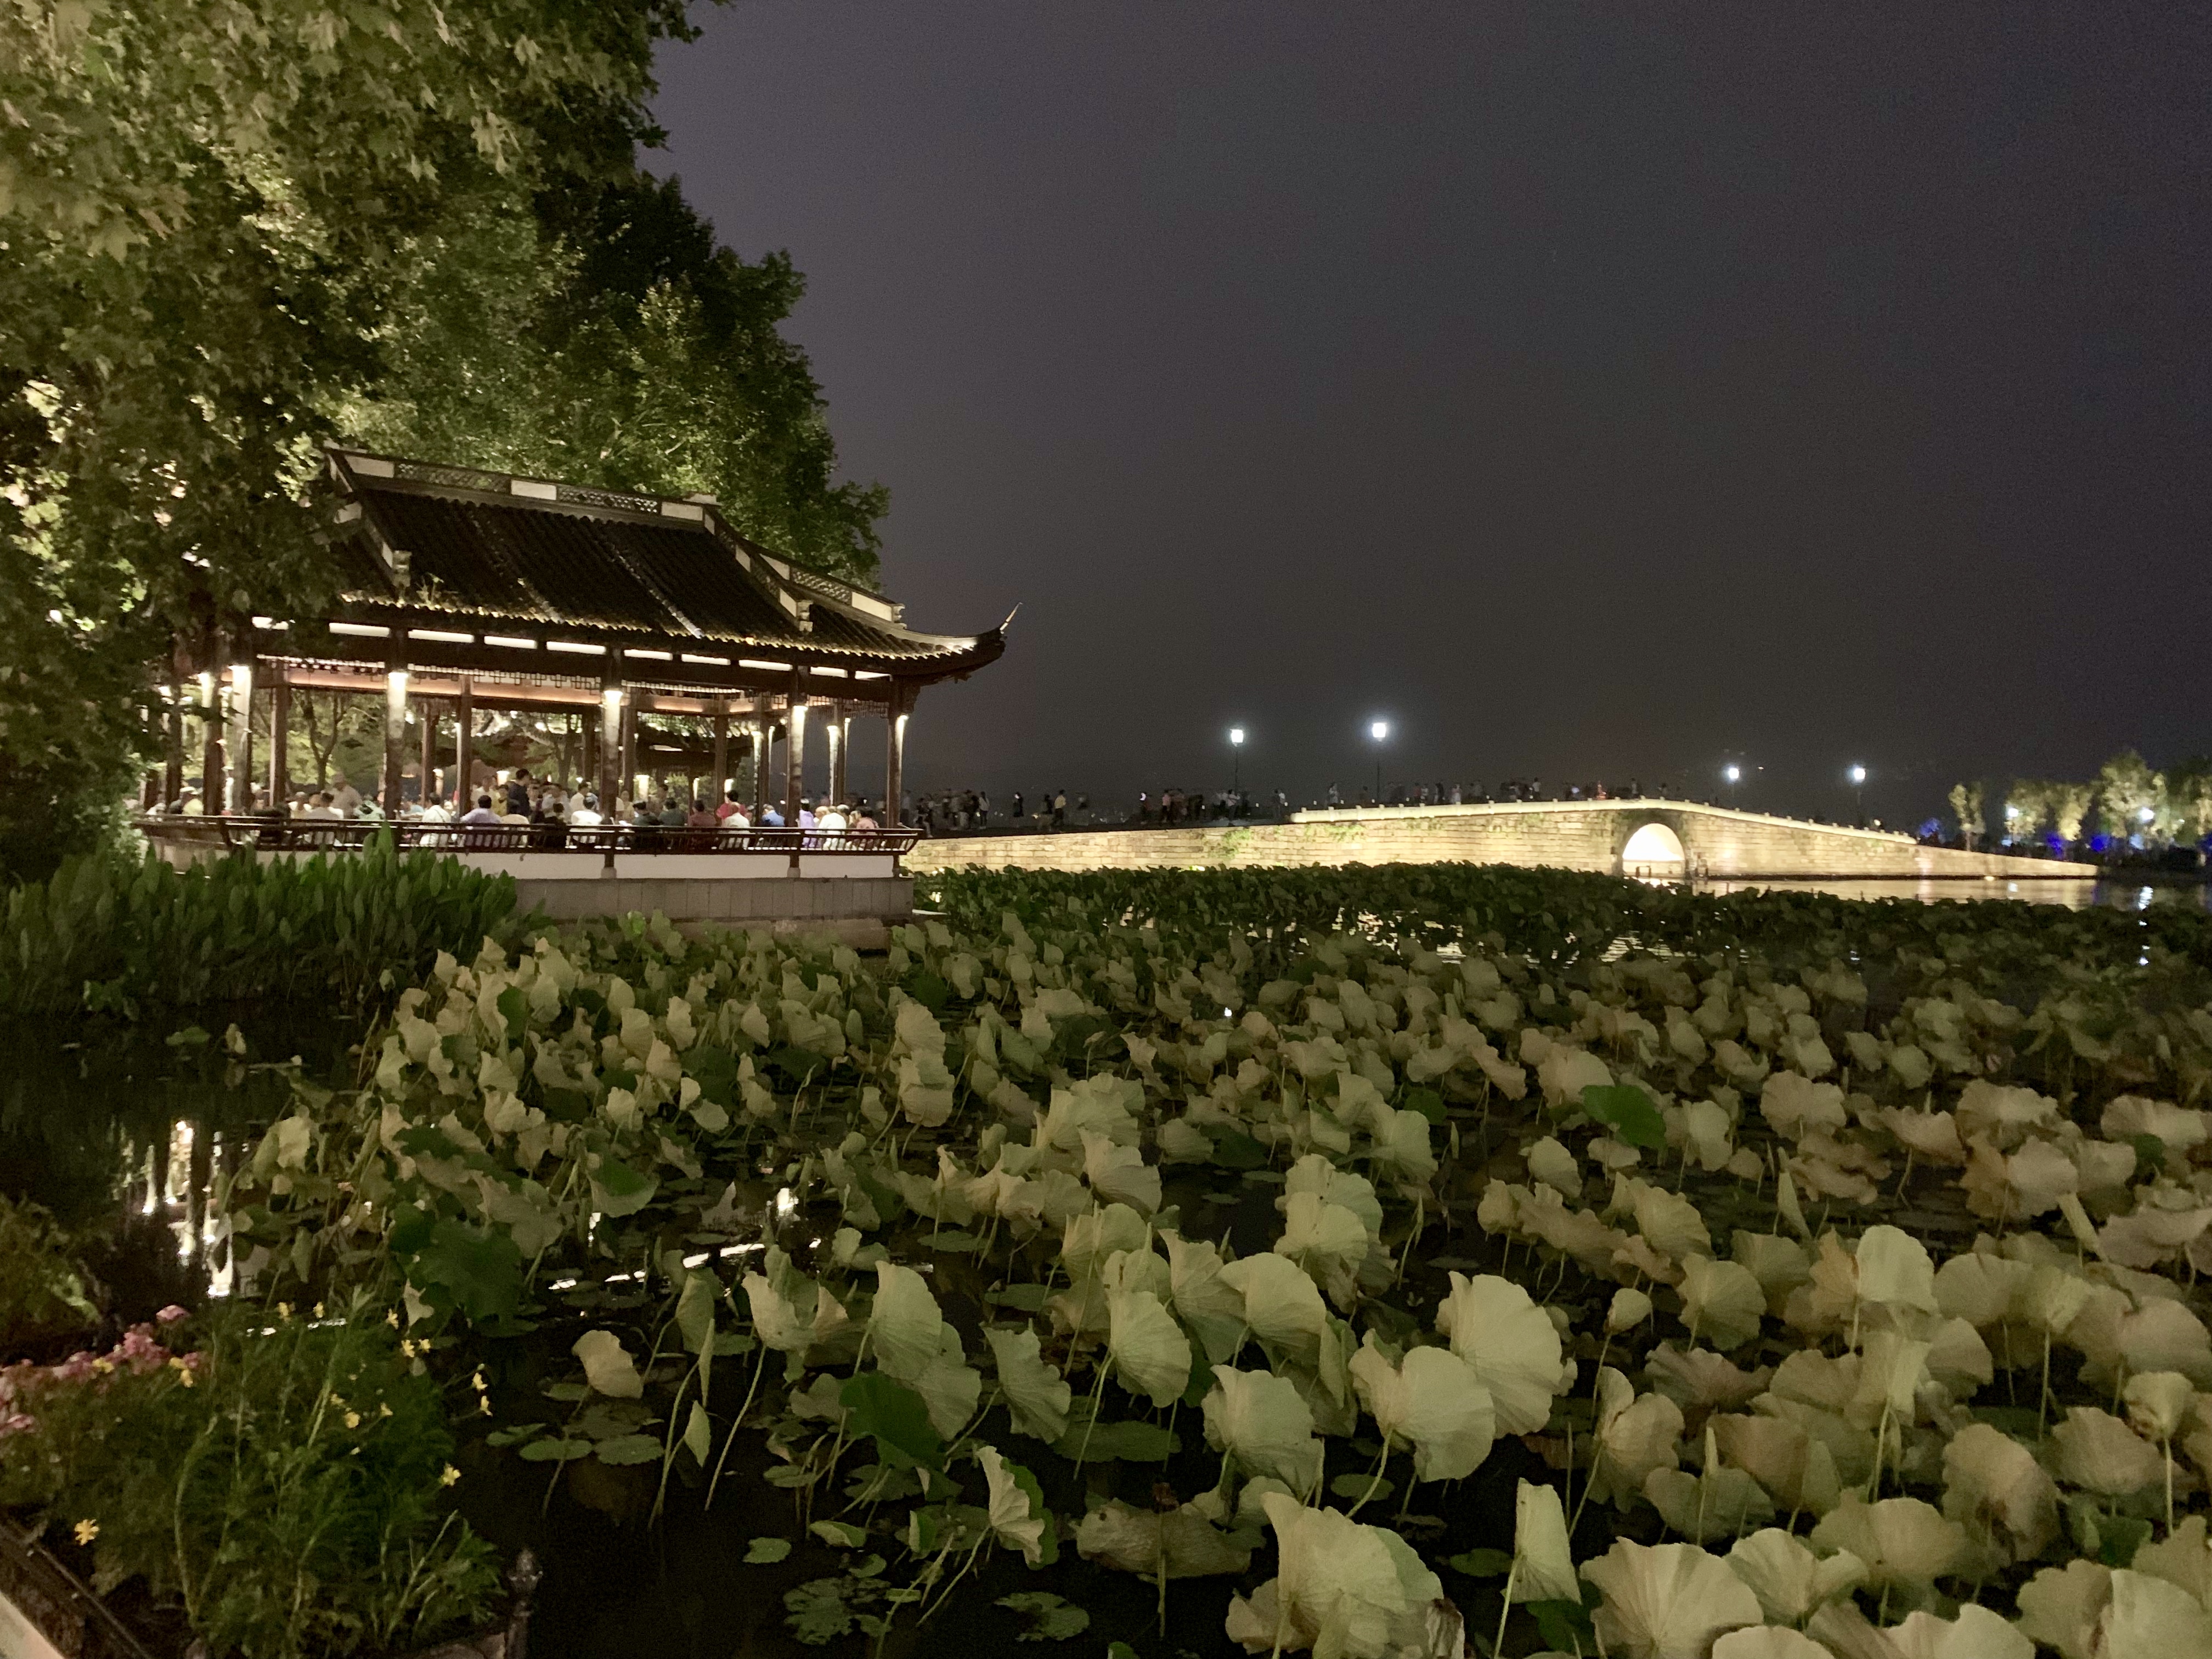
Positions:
(392, 1319)
(353, 1419)
(103, 1366)
(85, 1531)
(283, 1310)
(318, 1310)
(449, 1475)
(478, 1382)
(485, 1405)
(383, 1409)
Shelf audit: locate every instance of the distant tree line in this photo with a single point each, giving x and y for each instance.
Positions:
(232, 234)
(2128, 801)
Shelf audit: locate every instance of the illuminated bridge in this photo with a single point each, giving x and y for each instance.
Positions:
(1663, 839)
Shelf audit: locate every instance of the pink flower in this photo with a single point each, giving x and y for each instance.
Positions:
(139, 1351)
(170, 1315)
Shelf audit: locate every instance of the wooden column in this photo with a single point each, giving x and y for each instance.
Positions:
(211, 725)
(395, 737)
(757, 732)
(794, 756)
(606, 758)
(173, 768)
(428, 760)
(280, 739)
(628, 779)
(464, 745)
(834, 730)
(721, 751)
(896, 712)
(241, 797)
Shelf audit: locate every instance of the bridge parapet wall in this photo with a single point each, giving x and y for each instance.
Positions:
(1585, 836)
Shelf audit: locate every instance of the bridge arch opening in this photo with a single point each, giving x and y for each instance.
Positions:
(1653, 853)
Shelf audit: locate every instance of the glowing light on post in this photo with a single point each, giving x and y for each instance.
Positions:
(1858, 776)
(1733, 773)
(1237, 761)
(1380, 730)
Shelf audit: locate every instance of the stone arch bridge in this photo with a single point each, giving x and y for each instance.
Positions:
(1660, 839)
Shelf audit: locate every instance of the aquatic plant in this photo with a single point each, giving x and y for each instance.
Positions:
(1845, 1257)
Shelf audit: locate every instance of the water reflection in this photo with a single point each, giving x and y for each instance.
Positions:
(127, 1135)
(2073, 894)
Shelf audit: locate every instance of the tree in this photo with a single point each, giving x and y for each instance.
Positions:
(233, 233)
(598, 335)
(2069, 806)
(2129, 795)
(2189, 799)
(2027, 809)
(1966, 807)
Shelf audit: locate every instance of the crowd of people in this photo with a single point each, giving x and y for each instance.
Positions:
(548, 805)
(969, 811)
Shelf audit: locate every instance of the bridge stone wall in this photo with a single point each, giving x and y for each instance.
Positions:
(1721, 842)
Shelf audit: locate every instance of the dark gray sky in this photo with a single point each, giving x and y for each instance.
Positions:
(1593, 391)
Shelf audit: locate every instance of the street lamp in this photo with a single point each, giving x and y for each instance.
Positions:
(1732, 775)
(1859, 790)
(1380, 730)
(1237, 761)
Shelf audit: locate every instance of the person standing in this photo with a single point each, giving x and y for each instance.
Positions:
(345, 797)
(518, 794)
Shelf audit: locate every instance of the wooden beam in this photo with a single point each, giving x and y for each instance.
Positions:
(312, 640)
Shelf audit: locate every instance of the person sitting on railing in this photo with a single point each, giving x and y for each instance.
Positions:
(731, 814)
(481, 813)
(345, 796)
(862, 818)
(831, 817)
(673, 815)
(325, 807)
(770, 817)
(586, 815)
(702, 817)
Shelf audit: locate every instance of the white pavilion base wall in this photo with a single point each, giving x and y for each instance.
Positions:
(859, 911)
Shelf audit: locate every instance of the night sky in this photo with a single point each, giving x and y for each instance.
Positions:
(1596, 393)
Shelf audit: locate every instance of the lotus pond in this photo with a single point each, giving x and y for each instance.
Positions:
(1368, 1262)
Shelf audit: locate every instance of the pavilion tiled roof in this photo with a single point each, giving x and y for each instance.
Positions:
(419, 539)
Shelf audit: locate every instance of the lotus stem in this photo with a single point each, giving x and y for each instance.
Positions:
(1374, 1479)
(1097, 1398)
(1506, 1612)
(759, 1366)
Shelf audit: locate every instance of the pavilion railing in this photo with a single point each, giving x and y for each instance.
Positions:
(252, 833)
